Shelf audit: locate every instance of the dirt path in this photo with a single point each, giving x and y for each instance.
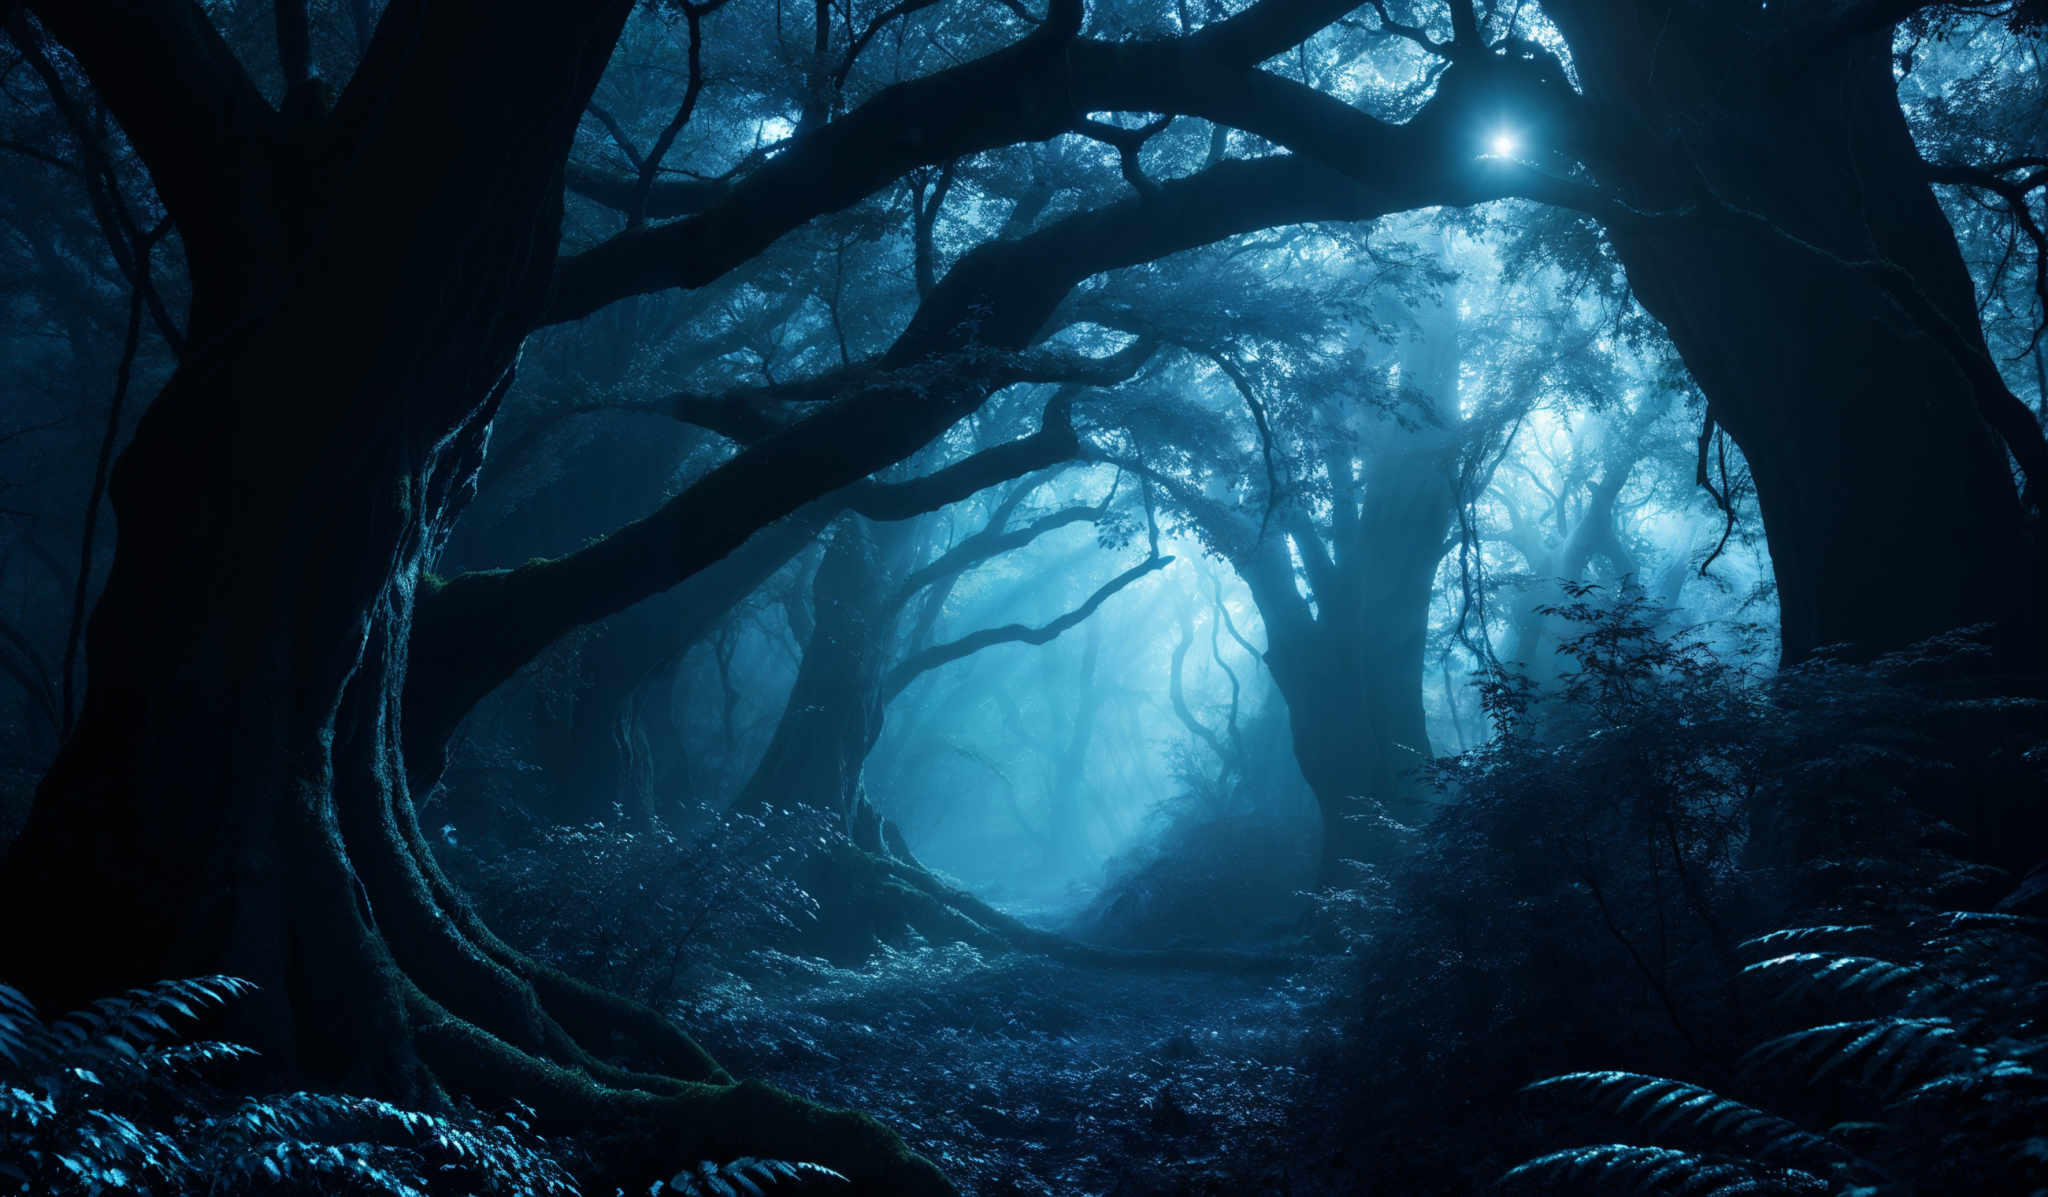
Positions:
(1020, 1075)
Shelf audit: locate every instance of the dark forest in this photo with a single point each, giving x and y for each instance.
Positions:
(1038, 597)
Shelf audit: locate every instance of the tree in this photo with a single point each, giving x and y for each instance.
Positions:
(274, 670)
(1877, 418)
(860, 656)
(1364, 452)
(1709, 187)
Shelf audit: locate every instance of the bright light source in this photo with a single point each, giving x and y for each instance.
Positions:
(1505, 144)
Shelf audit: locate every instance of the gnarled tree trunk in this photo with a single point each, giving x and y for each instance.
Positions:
(236, 797)
(1817, 293)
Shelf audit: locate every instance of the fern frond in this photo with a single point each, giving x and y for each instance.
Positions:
(1895, 1053)
(325, 1168)
(194, 1057)
(22, 1033)
(1662, 1106)
(139, 1018)
(106, 1099)
(751, 1177)
(286, 1128)
(1660, 1172)
(1860, 975)
(1786, 937)
(1986, 920)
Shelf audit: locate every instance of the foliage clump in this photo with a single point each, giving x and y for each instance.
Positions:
(1018, 1074)
(1915, 1065)
(1583, 899)
(113, 1099)
(638, 911)
(1231, 859)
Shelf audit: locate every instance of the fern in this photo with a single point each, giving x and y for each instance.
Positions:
(1895, 1053)
(110, 1030)
(1659, 1172)
(1957, 1102)
(1862, 975)
(107, 1099)
(1663, 1107)
(294, 1135)
(749, 1176)
(1801, 936)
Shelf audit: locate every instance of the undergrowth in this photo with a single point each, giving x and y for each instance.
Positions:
(1588, 897)
(1020, 1075)
(113, 1099)
(643, 913)
(1915, 1069)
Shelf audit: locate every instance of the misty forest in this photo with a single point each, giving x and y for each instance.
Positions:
(1023, 597)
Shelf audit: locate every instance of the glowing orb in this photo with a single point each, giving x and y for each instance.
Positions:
(1505, 145)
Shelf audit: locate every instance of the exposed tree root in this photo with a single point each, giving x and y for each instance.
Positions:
(638, 1135)
(871, 897)
(520, 1031)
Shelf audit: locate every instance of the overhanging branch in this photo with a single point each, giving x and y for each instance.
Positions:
(944, 654)
(988, 544)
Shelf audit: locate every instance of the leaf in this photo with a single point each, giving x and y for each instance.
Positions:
(1663, 1106)
(1846, 974)
(1660, 1172)
(1789, 936)
(750, 1176)
(1895, 1053)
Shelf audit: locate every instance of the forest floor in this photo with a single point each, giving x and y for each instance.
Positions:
(1021, 1075)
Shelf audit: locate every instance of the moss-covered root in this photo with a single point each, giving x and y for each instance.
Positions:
(639, 1136)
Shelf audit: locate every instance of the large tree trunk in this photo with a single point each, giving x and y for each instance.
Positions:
(1354, 705)
(1818, 295)
(233, 799)
(834, 713)
(1351, 669)
(1352, 681)
(236, 797)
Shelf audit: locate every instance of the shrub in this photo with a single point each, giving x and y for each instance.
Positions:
(1583, 899)
(636, 911)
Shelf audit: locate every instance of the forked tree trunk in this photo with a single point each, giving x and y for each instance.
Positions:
(868, 887)
(236, 798)
(1350, 670)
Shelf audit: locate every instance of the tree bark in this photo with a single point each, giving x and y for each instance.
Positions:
(835, 707)
(1817, 293)
(235, 797)
(1347, 656)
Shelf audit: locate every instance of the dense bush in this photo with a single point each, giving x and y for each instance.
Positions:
(637, 911)
(1583, 898)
